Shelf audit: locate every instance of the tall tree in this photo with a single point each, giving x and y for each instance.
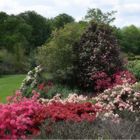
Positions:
(62, 19)
(98, 16)
(130, 39)
(41, 28)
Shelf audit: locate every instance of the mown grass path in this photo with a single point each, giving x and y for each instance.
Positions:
(8, 85)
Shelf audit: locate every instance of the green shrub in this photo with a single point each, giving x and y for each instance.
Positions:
(134, 67)
(13, 63)
(61, 89)
(98, 52)
(58, 54)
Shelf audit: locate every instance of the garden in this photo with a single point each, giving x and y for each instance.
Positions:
(83, 86)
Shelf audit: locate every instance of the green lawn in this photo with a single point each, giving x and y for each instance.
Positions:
(8, 85)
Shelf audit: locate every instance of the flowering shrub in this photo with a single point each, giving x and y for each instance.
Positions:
(72, 98)
(17, 119)
(72, 111)
(121, 97)
(35, 81)
(122, 77)
(101, 81)
(98, 51)
(22, 116)
(32, 79)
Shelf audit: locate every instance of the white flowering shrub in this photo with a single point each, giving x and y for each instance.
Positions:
(32, 80)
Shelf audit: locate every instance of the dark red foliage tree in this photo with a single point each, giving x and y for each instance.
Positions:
(98, 51)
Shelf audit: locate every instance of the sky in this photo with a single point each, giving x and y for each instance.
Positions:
(128, 11)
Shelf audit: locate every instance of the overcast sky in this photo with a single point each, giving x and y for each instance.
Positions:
(128, 10)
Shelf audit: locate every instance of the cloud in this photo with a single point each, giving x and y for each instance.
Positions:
(128, 10)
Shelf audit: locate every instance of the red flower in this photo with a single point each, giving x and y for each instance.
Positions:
(41, 86)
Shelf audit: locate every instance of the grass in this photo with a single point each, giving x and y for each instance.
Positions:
(8, 85)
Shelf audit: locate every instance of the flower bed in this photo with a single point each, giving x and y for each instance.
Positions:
(22, 117)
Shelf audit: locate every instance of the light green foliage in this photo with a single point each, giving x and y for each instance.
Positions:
(98, 16)
(58, 54)
(134, 67)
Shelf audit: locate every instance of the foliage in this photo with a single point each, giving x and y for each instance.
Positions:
(99, 129)
(63, 90)
(59, 56)
(130, 39)
(13, 63)
(98, 51)
(134, 67)
(41, 28)
(62, 19)
(98, 16)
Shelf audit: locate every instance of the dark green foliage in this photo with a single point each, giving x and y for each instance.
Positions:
(13, 63)
(130, 39)
(60, 89)
(98, 51)
(41, 28)
(62, 19)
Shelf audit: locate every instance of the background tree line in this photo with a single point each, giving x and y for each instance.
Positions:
(25, 37)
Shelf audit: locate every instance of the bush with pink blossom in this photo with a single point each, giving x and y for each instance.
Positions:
(119, 98)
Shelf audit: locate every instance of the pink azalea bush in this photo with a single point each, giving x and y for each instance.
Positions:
(17, 118)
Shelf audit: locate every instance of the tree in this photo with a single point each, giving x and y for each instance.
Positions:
(130, 39)
(41, 28)
(62, 19)
(14, 30)
(58, 55)
(99, 55)
(98, 16)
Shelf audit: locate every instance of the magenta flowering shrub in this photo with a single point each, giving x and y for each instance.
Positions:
(122, 77)
(17, 118)
(102, 81)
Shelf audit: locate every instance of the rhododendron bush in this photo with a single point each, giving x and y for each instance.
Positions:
(121, 97)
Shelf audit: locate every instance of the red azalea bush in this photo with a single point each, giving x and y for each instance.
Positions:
(72, 111)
